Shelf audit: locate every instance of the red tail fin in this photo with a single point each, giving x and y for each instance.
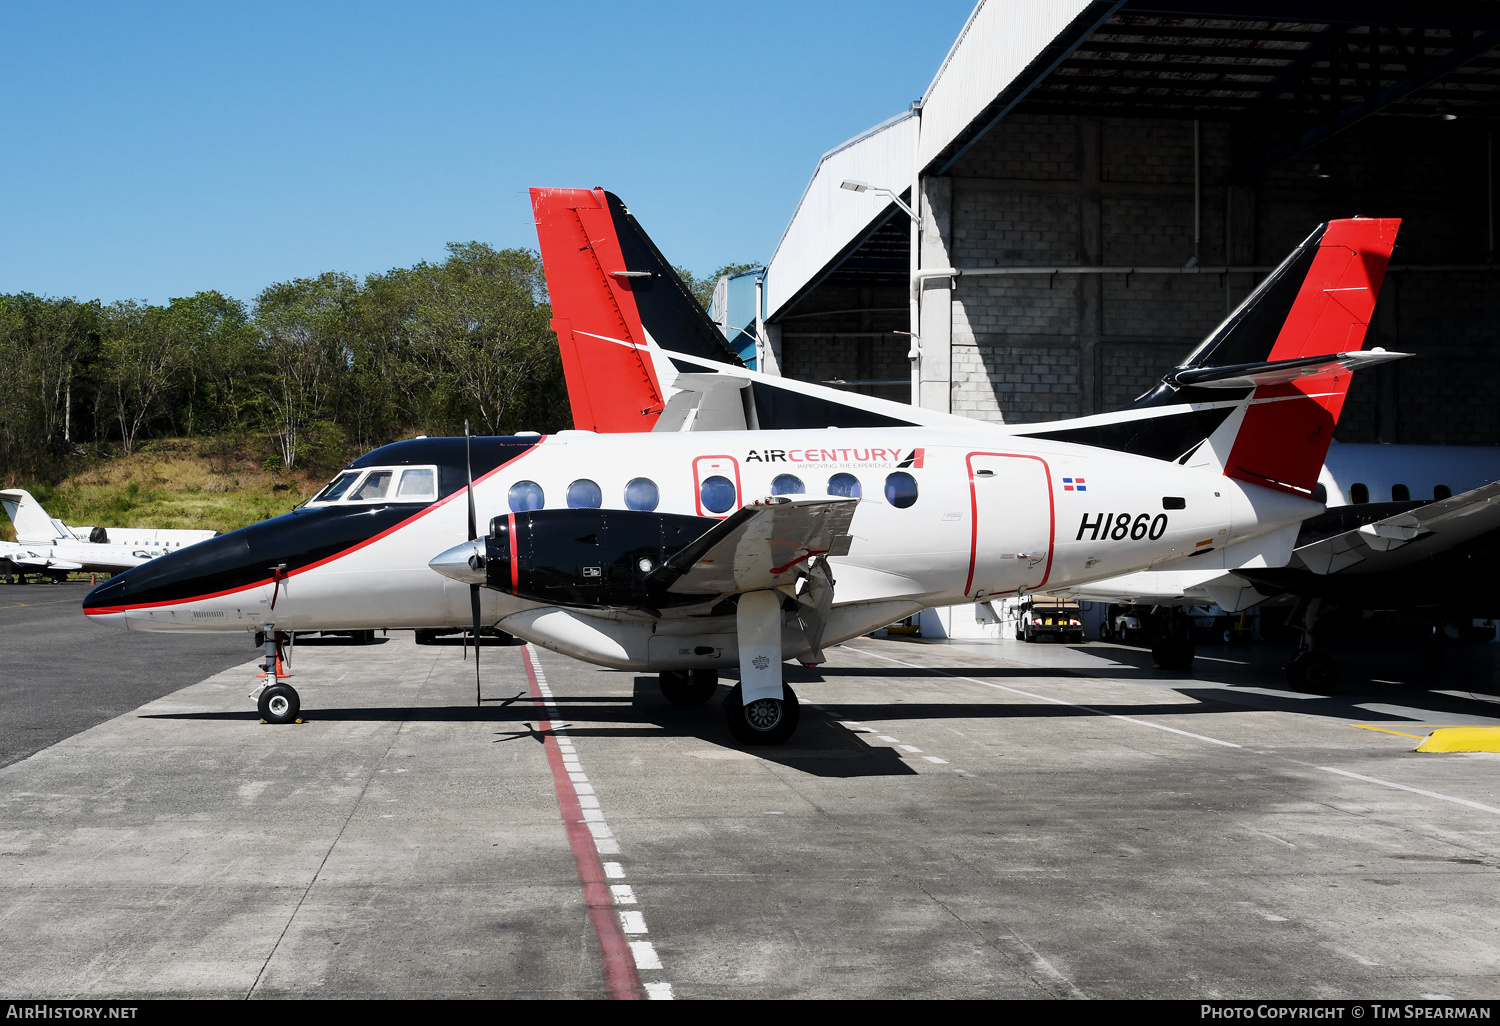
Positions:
(600, 334)
(1284, 437)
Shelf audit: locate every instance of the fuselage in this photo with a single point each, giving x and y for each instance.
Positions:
(943, 517)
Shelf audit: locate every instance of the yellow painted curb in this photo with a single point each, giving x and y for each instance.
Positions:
(1462, 739)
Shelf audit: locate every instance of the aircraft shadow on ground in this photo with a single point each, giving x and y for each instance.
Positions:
(1357, 684)
(821, 747)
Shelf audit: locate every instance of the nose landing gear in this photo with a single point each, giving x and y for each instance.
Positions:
(277, 702)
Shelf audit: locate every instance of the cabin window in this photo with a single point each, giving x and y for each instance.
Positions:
(845, 486)
(900, 489)
(1359, 493)
(642, 494)
(418, 483)
(584, 494)
(336, 488)
(1442, 492)
(1320, 492)
(787, 484)
(717, 494)
(1400, 493)
(525, 496)
(374, 486)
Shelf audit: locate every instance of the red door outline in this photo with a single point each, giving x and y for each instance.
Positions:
(739, 493)
(974, 517)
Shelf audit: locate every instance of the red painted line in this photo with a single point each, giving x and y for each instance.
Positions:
(620, 977)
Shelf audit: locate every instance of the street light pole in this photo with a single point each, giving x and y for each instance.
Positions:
(914, 354)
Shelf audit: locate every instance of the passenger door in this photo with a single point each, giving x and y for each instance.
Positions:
(1013, 524)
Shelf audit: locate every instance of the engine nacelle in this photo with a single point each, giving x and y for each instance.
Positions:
(598, 558)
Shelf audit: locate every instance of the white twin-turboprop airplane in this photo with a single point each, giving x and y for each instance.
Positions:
(685, 552)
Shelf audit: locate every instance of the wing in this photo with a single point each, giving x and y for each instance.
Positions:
(1406, 537)
(760, 546)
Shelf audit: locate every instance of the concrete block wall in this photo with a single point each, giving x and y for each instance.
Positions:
(1040, 190)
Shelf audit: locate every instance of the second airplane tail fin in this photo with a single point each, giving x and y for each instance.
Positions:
(31, 521)
(1297, 346)
(1259, 399)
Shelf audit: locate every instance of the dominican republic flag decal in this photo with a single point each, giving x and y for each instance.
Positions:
(1074, 484)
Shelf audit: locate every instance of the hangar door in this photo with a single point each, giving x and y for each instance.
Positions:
(1012, 524)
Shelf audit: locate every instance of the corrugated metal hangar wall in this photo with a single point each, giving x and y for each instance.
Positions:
(1108, 204)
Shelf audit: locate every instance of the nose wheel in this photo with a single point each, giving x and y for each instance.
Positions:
(279, 703)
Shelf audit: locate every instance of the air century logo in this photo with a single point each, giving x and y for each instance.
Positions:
(913, 460)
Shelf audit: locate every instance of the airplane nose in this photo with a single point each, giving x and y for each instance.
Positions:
(103, 603)
(463, 563)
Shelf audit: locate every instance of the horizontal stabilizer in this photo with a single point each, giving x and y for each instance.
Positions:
(758, 547)
(1280, 372)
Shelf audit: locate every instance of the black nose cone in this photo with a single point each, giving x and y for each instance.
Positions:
(107, 596)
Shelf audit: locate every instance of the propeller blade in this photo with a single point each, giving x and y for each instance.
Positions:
(469, 465)
(474, 602)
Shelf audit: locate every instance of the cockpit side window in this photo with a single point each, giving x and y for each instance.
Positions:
(417, 483)
(336, 488)
(374, 486)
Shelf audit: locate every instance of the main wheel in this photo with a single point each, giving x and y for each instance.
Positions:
(1312, 671)
(766, 721)
(681, 687)
(1173, 654)
(279, 703)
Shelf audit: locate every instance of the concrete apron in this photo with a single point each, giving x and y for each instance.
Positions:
(392, 845)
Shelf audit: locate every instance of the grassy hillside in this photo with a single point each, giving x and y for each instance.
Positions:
(173, 483)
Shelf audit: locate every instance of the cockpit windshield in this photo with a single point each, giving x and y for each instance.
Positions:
(381, 484)
(337, 487)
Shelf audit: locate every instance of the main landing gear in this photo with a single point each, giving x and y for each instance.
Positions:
(1173, 648)
(765, 721)
(1309, 669)
(689, 687)
(277, 702)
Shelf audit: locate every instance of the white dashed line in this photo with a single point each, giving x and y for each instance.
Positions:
(632, 922)
(1413, 790)
(1044, 698)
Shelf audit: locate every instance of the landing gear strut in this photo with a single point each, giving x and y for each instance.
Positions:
(1173, 648)
(277, 702)
(689, 687)
(1309, 669)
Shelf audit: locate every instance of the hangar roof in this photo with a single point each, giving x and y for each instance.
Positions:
(1286, 73)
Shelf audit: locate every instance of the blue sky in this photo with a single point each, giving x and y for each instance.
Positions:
(152, 151)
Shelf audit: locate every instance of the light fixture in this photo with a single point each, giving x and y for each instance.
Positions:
(1443, 113)
(855, 185)
(1318, 174)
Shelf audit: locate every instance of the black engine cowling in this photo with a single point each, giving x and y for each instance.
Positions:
(587, 557)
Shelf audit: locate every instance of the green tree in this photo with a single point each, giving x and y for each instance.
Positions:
(304, 346)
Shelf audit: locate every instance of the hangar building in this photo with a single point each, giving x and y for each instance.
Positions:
(1096, 184)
